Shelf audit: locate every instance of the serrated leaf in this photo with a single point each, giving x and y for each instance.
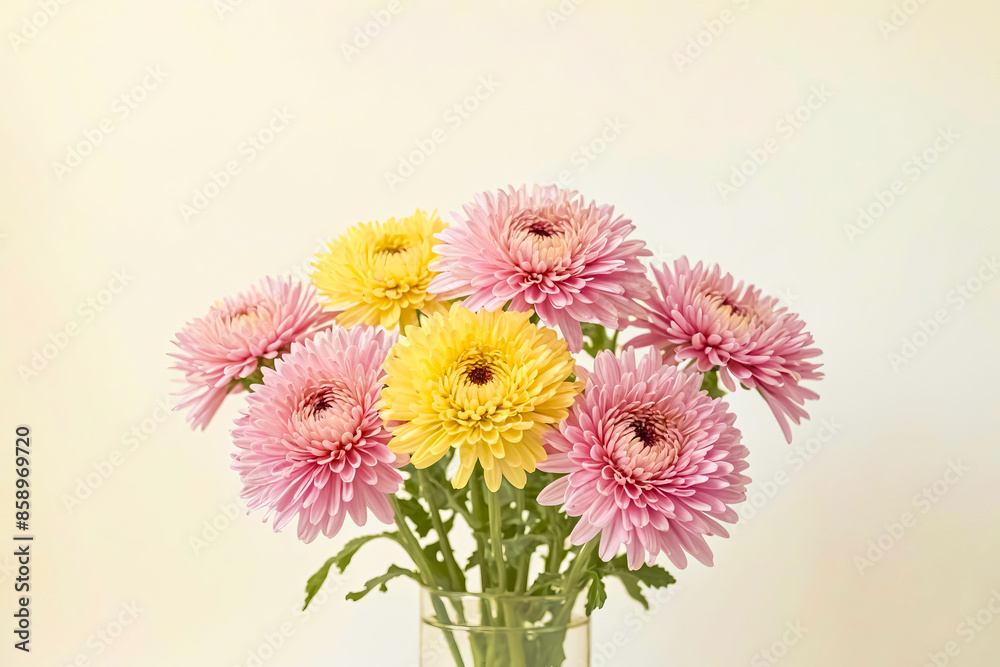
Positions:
(346, 555)
(597, 595)
(654, 576)
(341, 560)
(651, 576)
(316, 581)
(543, 583)
(381, 581)
(439, 570)
(518, 545)
(710, 383)
(632, 587)
(415, 512)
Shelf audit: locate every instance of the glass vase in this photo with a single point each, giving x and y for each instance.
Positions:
(488, 630)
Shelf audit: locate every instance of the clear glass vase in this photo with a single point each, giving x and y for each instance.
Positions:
(486, 630)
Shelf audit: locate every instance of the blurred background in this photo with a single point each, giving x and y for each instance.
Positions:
(841, 155)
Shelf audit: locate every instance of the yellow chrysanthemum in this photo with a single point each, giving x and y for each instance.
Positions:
(376, 273)
(486, 384)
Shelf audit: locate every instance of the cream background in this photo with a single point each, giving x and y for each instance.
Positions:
(794, 562)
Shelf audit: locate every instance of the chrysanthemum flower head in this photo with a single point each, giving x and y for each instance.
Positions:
(237, 335)
(548, 250)
(702, 315)
(377, 272)
(311, 442)
(488, 384)
(651, 462)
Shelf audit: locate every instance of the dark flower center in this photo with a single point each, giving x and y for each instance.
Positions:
(538, 226)
(646, 432)
(320, 401)
(542, 228)
(480, 375)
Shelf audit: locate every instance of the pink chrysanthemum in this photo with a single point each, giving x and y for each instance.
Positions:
(652, 462)
(544, 249)
(238, 333)
(311, 441)
(702, 315)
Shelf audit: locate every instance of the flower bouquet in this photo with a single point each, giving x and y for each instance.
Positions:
(427, 376)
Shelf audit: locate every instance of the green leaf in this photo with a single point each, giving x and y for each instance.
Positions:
(654, 576)
(597, 595)
(415, 512)
(710, 383)
(341, 560)
(518, 545)
(257, 377)
(632, 587)
(597, 338)
(439, 570)
(651, 576)
(543, 583)
(381, 581)
(316, 581)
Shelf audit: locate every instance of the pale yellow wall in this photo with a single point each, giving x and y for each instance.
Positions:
(676, 131)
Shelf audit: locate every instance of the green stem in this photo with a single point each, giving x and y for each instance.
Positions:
(496, 538)
(580, 564)
(454, 505)
(410, 543)
(576, 570)
(454, 572)
(479, 513)
(556, 546)
(480, 516)
(524, 562)
(505, 615)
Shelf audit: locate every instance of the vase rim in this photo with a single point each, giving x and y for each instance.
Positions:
(492, 596)
(572, 624)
